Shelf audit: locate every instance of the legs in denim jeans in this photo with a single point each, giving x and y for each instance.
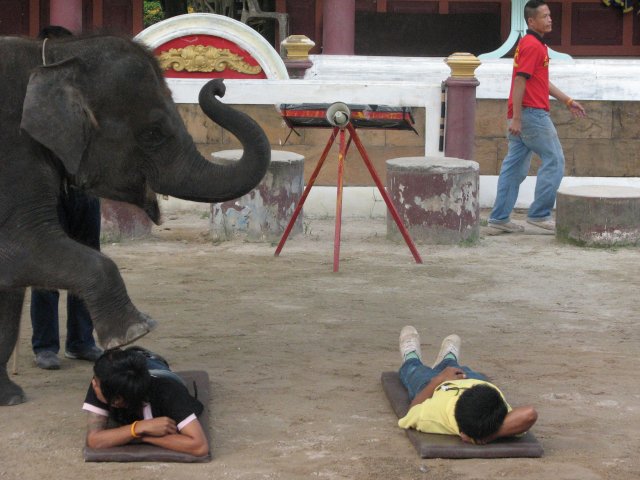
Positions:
(538, 136)
(414, 375)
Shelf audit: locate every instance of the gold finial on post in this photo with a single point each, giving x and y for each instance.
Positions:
(462, 64)
(297, 47)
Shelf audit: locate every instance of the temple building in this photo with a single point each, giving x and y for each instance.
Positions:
(407, 28)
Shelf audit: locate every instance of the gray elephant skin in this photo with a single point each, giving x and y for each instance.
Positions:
(95, 113)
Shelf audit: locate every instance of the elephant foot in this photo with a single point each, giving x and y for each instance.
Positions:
(134, 332)
(11, 394)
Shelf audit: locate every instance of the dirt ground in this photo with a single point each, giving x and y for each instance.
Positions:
(295, 352)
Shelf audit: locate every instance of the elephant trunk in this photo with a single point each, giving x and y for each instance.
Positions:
(193, 177)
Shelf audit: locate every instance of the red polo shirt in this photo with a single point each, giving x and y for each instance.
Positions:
(531, 61)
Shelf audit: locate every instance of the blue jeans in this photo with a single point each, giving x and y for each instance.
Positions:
(539, 136)
(414, 375)
(79, 216)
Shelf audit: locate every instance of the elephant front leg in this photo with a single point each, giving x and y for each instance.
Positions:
(10, 311)
(61, 263)
(116, 320)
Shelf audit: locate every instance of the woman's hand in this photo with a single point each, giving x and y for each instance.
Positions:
(156, 427)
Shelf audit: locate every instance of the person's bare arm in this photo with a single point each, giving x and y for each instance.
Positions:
(191, 439)
(449, 373)
(574, 107)
(99, 436)
(519, 86)
(519, 420)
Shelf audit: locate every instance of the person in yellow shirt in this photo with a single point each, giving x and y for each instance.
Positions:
(449, 399)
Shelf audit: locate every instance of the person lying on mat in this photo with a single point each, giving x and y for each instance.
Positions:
(449, 399)
(135, 398)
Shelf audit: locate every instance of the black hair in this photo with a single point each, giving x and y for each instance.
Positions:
(531, 8)
(123, 374)
(480, 411)
(54, 31)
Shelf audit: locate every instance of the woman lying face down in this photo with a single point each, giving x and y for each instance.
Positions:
(126, 404)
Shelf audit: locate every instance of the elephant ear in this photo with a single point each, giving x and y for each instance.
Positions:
(56, 115)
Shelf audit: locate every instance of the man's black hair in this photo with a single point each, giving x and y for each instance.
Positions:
(54, 31)
(531, 8)
(123, 374)
(480, 411)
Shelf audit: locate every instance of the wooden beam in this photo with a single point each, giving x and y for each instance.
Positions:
(98, 14)
(137, 21)
(34, 17)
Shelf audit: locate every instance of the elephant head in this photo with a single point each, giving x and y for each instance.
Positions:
(101, 105)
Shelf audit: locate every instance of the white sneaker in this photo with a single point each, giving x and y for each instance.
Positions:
(409, 342)
(509, 227)
(450, 344)
(545, 224)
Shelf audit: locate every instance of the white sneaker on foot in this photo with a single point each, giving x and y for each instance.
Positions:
(546, 224)
(409, 342)
(450, 344)
(509, 227)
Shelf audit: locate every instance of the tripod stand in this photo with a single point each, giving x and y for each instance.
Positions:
(342, 123)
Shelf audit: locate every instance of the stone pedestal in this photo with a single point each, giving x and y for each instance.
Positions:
(262, 214)
(437, 199)
(598, 216)
(122, 220)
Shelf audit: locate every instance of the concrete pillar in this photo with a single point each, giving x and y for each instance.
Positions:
(598, 215)
(66, 13)
(122, 221)
(262, 214)
(461, 106)
(437, 199)
(338, 27)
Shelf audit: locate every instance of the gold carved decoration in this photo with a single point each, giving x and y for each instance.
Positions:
(201, 58)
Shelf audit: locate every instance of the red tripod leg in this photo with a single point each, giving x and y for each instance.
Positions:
(336, 240)
(307, 189)
(383, 192)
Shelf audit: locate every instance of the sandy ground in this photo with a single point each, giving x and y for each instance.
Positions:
(295, 353)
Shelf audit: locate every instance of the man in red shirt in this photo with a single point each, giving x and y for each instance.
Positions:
(531, 129)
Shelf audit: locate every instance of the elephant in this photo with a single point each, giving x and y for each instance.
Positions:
(94, 112)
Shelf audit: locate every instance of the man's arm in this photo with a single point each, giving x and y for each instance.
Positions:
(99, 436)
(191, 439)
(449, 373)
(574, 107)
(519, 86)
(519, 420)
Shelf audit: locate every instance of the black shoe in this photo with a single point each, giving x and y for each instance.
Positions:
(91, 354)
(48, 360)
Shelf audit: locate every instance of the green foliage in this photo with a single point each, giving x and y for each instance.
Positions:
(152, 12)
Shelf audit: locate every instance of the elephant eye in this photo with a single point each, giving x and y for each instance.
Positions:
(152, 137)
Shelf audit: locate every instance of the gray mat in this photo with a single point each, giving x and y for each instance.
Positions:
(431, 445)
(197, 381)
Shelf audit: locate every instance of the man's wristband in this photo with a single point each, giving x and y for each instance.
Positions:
(569, 102)
(133, 430)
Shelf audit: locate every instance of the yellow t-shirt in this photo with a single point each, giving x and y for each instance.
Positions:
(437, 414)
